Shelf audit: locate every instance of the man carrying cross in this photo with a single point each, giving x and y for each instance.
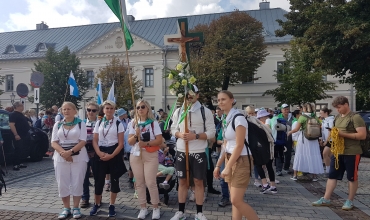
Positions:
(201, 128)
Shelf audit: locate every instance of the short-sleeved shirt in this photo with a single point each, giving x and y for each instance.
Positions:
(230, 135)
(66, 138)
(148, 129)
(108, 135)
(351, 146)
(21, 123)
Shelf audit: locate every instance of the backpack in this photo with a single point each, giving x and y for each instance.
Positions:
(365, 144)
(281, 135)
(117, 124)
(203, 117)
(38, 123)
(61, 116)
(313, 128)
(258, 142)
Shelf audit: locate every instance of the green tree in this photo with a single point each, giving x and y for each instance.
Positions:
(337, 34)
(300, 82)
(232, 51)
(56, 68)
(117, 71)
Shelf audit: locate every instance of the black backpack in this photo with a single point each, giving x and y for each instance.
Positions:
(258, 143)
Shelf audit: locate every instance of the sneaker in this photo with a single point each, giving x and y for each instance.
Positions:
(22, 165)
(95, 209)
(192, 196)
(143, 213)
(294, 178)
(315, 179)
(178, 216)
(348, 205)
(274, 190)
(279, 173)
(76, 213)
(200, 216)
(136, 196)
(64, 214)
(257, 184)
(224, 202)
(112, 212)
(286, 171)
(16, 167)
(156, 213)
(277, 181)
(107, 187)
(265, 189)
(164, 186)
(84, 204)
(321, 202)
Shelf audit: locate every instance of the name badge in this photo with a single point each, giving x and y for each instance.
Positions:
(89, 137)
(69, 142)
(103, 142)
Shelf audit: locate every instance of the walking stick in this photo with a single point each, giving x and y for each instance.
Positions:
(186, 146)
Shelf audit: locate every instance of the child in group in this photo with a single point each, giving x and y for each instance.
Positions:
(164, 166)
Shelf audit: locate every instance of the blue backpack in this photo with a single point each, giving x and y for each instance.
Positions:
(281, 137)
(38, 124)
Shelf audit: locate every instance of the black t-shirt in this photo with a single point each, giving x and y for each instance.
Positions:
(21, 123)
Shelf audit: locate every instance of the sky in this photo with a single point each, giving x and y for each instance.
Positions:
(18, 15)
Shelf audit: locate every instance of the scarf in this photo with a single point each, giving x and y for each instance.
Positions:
(147, 122)
(72, 123)
(106, 121)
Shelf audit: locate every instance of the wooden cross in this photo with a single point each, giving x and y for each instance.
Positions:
(183, 39)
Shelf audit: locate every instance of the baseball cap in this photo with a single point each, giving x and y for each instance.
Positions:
(121, 112)
(262, 113)
(284, 106)
(160, 110)
(194, 88)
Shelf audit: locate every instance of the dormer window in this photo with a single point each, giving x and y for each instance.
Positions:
(10, 49)
(41, 47)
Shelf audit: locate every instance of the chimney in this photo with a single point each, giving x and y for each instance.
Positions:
(264, 5)
(42, 26)
(130, 18)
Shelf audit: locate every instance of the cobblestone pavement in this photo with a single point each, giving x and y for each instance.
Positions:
(32, 194)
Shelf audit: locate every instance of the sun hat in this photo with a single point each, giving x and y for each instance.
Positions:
(262, 113)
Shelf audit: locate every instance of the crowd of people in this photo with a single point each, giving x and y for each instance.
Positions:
(98, 145)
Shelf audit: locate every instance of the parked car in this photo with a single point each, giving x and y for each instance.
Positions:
(38, 142)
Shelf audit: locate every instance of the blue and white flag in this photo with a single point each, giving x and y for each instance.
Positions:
(73, 89)
(111, 94)
(100, 93)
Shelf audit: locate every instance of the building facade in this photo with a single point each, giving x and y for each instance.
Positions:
(96, 44)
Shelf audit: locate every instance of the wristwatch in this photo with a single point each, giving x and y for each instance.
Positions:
(72, 151)
(197, 136)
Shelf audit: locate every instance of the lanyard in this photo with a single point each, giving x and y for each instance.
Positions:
(111, 123)
(64, 133)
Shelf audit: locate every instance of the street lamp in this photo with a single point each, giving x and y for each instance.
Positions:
(142, 92)
(12, 97)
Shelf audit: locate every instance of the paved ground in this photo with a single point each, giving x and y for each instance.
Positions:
(32, 194)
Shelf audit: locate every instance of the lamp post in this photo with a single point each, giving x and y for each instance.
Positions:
(142, 92)
(12, 97)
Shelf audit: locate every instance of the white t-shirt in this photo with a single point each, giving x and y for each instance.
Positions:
(230, 136)
(108, 135)
(267, 122)
(147, 129)
(68, 138)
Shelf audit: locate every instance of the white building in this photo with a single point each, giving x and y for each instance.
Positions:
(96, 44)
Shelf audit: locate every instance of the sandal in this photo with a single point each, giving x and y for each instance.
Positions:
(64, 214)
(76, 213)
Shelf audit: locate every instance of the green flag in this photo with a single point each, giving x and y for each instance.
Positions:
(119, 9)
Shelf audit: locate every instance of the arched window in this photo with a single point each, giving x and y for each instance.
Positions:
(41, 47)
(10, 49)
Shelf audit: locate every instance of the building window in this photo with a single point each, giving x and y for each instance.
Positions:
(279, 69)
(250, 80)
(9, 83)
(10, 49)
(321, 106)
(42, 47)
(149, 77)
(90, 78)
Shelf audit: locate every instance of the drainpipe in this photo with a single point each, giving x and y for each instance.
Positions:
(165, 79)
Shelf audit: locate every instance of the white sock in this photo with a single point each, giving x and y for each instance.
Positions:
(107, 181)
(265, 185)
(165, 182)
(327, 169)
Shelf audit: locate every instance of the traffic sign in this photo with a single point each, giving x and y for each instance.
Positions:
(36, 95)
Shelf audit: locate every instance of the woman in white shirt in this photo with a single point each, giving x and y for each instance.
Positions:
(70, 159)
(238, 158)
(144, 158)
(108, 144)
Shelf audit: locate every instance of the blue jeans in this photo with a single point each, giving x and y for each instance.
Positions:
(224, 186)
(255, 172)
(86, 185)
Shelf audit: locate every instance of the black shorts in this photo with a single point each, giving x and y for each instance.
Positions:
(198, 164)
(347, 163)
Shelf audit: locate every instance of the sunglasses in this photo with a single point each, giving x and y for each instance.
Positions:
(91, 110)
(142, 107)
